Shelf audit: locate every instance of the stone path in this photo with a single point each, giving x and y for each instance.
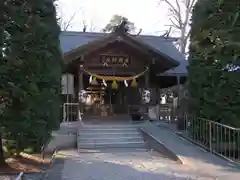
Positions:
(130, 164)
(125, 166)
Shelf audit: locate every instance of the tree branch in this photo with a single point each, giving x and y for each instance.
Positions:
(63, 22)
(175, 25)
(171, 6)
(66, 24)
(180, 13)
(175, 17)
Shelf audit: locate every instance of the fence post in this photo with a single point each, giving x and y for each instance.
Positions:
(42, 152)
(210, 136)
(64, 112)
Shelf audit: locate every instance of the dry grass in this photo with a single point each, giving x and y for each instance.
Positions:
(25, 163)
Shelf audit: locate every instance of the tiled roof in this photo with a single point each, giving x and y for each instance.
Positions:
(70, 40)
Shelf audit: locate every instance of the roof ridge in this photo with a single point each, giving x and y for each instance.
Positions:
(75, 33)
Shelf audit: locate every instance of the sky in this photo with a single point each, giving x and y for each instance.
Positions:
(148, 15)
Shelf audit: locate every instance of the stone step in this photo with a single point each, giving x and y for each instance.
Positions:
(106, 130)
(112, 126)
(103, 150)
(108, 134)
(106, 145)
(110, 140)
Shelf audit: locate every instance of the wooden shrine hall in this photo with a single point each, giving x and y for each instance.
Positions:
(107, 74)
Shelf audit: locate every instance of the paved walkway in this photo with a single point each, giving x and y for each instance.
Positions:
(125, 166)
(143, 165)
(199, 160)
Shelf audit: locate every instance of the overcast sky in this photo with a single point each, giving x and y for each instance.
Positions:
(145, 14)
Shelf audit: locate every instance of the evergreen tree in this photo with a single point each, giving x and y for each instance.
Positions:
(53, 67)
(2, 78)
(34, 60)
(118, 20)
(214, 54)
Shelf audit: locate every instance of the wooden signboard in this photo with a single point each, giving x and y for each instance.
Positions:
(120, 60)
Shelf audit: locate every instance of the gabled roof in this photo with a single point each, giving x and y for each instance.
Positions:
(70, 40)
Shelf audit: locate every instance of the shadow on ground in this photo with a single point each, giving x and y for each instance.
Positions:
(97, 169)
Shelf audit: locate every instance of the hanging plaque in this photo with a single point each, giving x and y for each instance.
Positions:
(120, 60)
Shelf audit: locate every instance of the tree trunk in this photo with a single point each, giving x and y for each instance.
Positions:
(2, 159)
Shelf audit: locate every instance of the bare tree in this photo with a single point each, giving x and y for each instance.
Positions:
(92, 27)
(89, 27)
(180, 12)
(65, 22)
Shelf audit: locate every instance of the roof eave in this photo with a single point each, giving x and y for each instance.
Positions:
(173, 74)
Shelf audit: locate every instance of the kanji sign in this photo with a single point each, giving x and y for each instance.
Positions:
(114, 60)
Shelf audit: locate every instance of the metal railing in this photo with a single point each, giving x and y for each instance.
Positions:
(217, 138)
(71, 112)
(20, 176)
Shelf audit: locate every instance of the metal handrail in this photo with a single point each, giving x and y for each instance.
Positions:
(20, 176)
(223, 125)
(65, 113)
(218, 138)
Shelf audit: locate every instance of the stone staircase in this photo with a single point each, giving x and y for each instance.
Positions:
(107, 136)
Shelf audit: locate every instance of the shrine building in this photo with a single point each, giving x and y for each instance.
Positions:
(107, 74)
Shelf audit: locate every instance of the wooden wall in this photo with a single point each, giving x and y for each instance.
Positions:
(137, 61)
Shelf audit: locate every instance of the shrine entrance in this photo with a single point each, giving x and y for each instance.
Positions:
(104, 101)
(109, 97)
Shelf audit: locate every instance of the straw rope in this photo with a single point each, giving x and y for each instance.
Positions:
(115, 78)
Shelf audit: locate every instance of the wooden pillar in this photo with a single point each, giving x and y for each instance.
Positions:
(80, 80)
(178, 80)
(147, 85)
(80, 87)
(147, 79)
(178, 87)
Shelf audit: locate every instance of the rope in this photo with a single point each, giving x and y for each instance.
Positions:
(115, 78)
